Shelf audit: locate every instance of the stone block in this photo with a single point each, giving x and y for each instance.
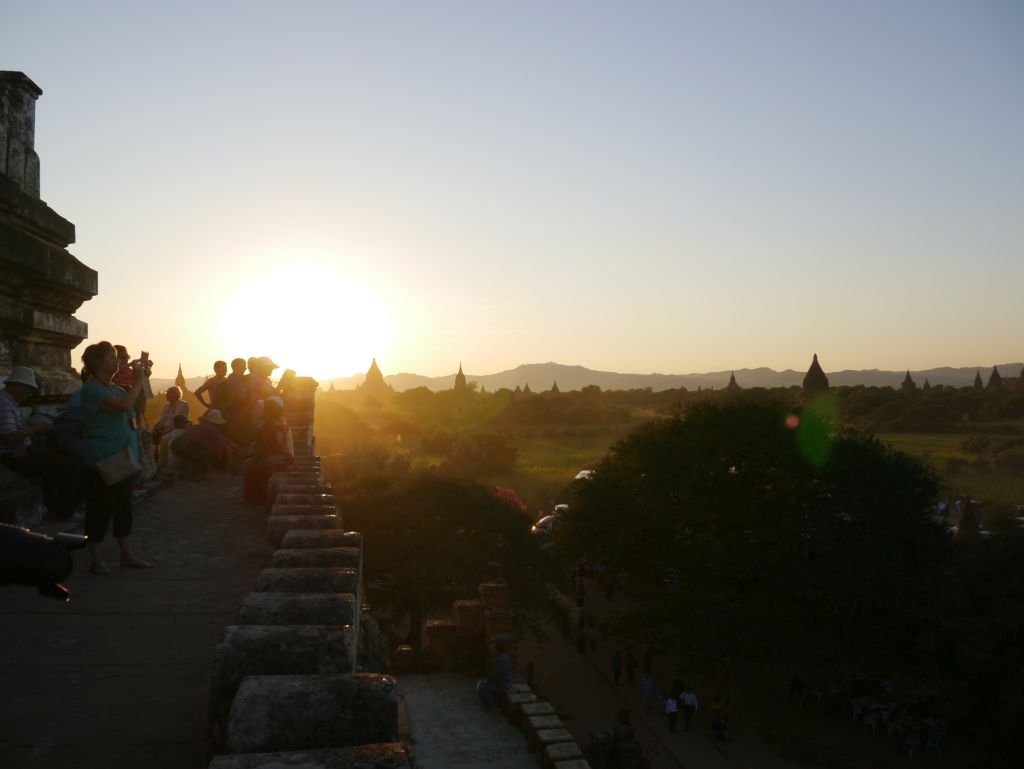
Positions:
(560, 751)
(303, 488)
(389, 755)
(303, 508)
(541, 738)
(281, 713)
(278, 525)
(372, 657)
(267, 650)
(470, 617)
(308, 580)
(334, 609)
(499, 622)
(578, 763)
(494, 595)
(403, 659)
(303, 539)
(345, 557)
(316, 500)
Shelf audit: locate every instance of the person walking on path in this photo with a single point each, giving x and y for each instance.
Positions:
(630, 665)
(672, 711)
(647, 691)
(617, 666)
(689, 700)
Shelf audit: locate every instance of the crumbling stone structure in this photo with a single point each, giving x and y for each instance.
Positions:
(300, 679)
(41, 283)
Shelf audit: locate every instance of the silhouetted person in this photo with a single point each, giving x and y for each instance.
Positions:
(211, 385)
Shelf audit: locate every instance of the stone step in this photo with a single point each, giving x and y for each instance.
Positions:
(308, 580)
(252, 650)
(300, 712)
(304, 498)
(298, 608)
(302, 539)
(304, 488)
(344, 557)
(386, 755)
(279, 525)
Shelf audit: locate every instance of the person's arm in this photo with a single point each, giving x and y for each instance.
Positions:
(19, 435)
(126, 402)
(199, 394)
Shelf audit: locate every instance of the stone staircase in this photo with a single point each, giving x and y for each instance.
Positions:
(297, 682)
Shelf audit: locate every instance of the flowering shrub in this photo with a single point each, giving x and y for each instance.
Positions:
(509, 496)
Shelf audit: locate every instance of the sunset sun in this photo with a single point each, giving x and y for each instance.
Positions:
(307, 318)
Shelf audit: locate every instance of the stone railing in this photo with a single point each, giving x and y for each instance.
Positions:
(298, 680)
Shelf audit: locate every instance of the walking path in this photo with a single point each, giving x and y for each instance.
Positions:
(120, 676)
(450, 730)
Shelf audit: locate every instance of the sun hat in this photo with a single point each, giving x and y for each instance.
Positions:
(274, 399)
(214, 417)
(263, 360)
(23, 375)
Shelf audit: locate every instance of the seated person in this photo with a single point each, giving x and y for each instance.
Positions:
(167, 459)
(203, 444)
(272, 450)
(18, 451)
(175, 406)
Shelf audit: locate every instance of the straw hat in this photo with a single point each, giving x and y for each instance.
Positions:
(214, 417)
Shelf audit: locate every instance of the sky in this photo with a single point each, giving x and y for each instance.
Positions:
(643, 187)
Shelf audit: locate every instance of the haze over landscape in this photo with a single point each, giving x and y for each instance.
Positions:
(668, 187)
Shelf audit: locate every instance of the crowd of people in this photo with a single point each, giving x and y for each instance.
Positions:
(88, 459)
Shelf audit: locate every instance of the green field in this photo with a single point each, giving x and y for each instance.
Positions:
(997, 491)
(546, 466)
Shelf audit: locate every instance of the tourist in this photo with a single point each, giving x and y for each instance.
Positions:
(106, 407)
(231, 399)
(203, 444)
(21, 454)
(499, 678)
(211, 385)
(175, 406)
(271, 450)
(260, 387)
(124, 377)
(672, 711)
(689, 701)
(617, 666)
(167, 459)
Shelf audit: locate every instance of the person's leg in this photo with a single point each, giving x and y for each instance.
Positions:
(97, 518)
(60, 482)
(123, 519)
(672, 723)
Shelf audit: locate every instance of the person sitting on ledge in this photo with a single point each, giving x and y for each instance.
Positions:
(175, 406)
(167, 459)
(203, 444)
(58, 472)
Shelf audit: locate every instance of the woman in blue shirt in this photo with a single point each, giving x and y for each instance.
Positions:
(105, 408)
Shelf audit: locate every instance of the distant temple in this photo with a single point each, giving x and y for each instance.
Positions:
(908, 384)
(994, 379)
(927, 384)
(460, 382)
(978, 384)
(815, 380)
(554, 386)
(180, 381)
(732, 386)
(374, 383)
(526, 387)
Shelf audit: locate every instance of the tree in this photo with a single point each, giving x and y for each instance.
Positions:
(430, 540)
(753, 531)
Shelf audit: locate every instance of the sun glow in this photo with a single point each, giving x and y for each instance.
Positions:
(307, 318)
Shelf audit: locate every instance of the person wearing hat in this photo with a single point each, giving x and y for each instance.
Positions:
(203, 444)
(59, 473)
(260, 387)
(272, 450)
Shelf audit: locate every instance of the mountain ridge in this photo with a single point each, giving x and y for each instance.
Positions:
(541, 376)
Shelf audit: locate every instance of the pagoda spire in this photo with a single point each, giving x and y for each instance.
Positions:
(460, 381)
(815, 380)
(180, 379)
(994, 379)
(732, 386)
(908, 384)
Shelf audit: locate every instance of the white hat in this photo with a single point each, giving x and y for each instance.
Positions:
(214, 417)
(274, 399)
(23, 375)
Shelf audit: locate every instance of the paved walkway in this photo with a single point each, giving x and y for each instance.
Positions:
(120, 676)
(451, 731)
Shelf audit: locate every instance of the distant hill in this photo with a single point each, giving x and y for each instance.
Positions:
(540, 377)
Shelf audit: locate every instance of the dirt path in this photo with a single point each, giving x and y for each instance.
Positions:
(120, 676)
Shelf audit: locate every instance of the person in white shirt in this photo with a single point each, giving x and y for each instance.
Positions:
(168, 460)
(174, 407)
(671, 710)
